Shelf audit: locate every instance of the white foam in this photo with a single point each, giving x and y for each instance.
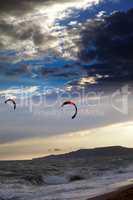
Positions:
(65, 190)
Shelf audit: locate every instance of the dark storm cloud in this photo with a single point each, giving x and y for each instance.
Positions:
(107, 6)
(111, 5)
(5, 27)
(110, 44)
(23, 68)
(21, 7)
(8, 70)
(50, 72)
(23, 31)
(17, 7)
(6, 30)
(16, 27)
(14, 6)
(27, 30)
(62, 72)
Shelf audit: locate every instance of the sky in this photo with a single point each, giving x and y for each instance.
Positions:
(57, 50)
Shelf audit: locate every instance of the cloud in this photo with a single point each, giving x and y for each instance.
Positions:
(47, 31)
(14, 6)
(37, 26)
(20, 7)
(38, 147)
(106, 47)
(19, 91)
(32, 27)
(57, 149)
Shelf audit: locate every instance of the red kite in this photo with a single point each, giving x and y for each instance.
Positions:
(71, 103)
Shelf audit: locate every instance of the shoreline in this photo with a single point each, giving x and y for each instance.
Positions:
(122, 193)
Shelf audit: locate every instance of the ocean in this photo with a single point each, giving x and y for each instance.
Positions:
(64, 178)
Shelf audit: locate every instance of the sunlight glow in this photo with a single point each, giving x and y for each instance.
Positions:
(118, 134)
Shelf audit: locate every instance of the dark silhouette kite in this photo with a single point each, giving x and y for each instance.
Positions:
(13, 101)
(71, 103)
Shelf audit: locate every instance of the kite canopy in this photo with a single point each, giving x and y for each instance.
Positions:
(71, 103)
(13, 101)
